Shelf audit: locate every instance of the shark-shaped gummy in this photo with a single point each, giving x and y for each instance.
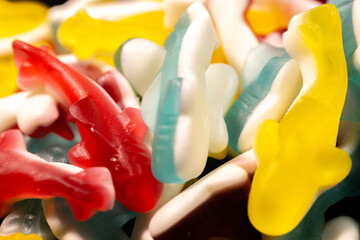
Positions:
(102, 125)
(298, 157)
(25, 175)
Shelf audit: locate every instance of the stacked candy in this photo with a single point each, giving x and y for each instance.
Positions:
(212, 119)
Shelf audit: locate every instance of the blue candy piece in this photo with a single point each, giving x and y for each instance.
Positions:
(268, 96)
(175, 105)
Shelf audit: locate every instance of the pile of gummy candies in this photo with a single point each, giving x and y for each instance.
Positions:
(180, 119)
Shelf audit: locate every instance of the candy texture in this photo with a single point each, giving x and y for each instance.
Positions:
(85, 190)
(27, 217)
(139, 60)
(174, 107)
(312, 224)
(219, 209)
(102, 125)
(235, 35)
(298, 157)
(267, 16)
(341, 228)
(269, 95)
(106, 36)
(221, 88)
(29, 111)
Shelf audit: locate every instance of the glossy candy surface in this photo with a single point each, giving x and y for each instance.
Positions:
(235, 35)
(291, 171)
(219, 209)
(267, 16)
(119, 134)
(38, 179)
(27, 217)
(174, 106)
(106, 36)
(270, 93)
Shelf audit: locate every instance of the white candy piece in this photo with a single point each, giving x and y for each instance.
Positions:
(236, 37)
(140, 61)
(174, 9)
(221, 87)
(341, 228)
(37, 110)
(28, 110)
(141, 229)
(284, 90)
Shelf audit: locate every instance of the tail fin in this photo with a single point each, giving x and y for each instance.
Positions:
(98, 194)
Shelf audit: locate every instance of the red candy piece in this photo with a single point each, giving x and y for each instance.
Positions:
(108, 82)
(25, 175)
(110, 137)
(59, 127)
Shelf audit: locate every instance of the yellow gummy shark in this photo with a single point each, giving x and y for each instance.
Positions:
(87, 37)
(298, 159)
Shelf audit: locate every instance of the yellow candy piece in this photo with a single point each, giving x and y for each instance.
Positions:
(264, 22)
(298, 159)
(21, 236)
(8, 73)
(87, 37)
(267, 16)
(19, 17)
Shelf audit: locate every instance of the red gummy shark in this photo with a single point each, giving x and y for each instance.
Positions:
(25, 175)
(110, 137)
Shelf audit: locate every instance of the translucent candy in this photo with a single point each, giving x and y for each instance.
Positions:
(298, 157)
(121, 135)
(270, 93)
(174, 107)
(27, 217)
(106, 36)
(219, 209)
(87, 191)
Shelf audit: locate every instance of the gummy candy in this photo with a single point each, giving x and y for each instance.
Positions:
(235, 35)
(20, 236)
(174, 107)
(27, 217)
(85, 190)
(219, 209)
(103, 225)
(141, 228)
(25, 20)
(341, 228)
(106, 36)
(298, 157)
(139, 60)
(218, 76)
(18, 20)
(221, 88)
(102, 125)
(267, 16)
(268, 96)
